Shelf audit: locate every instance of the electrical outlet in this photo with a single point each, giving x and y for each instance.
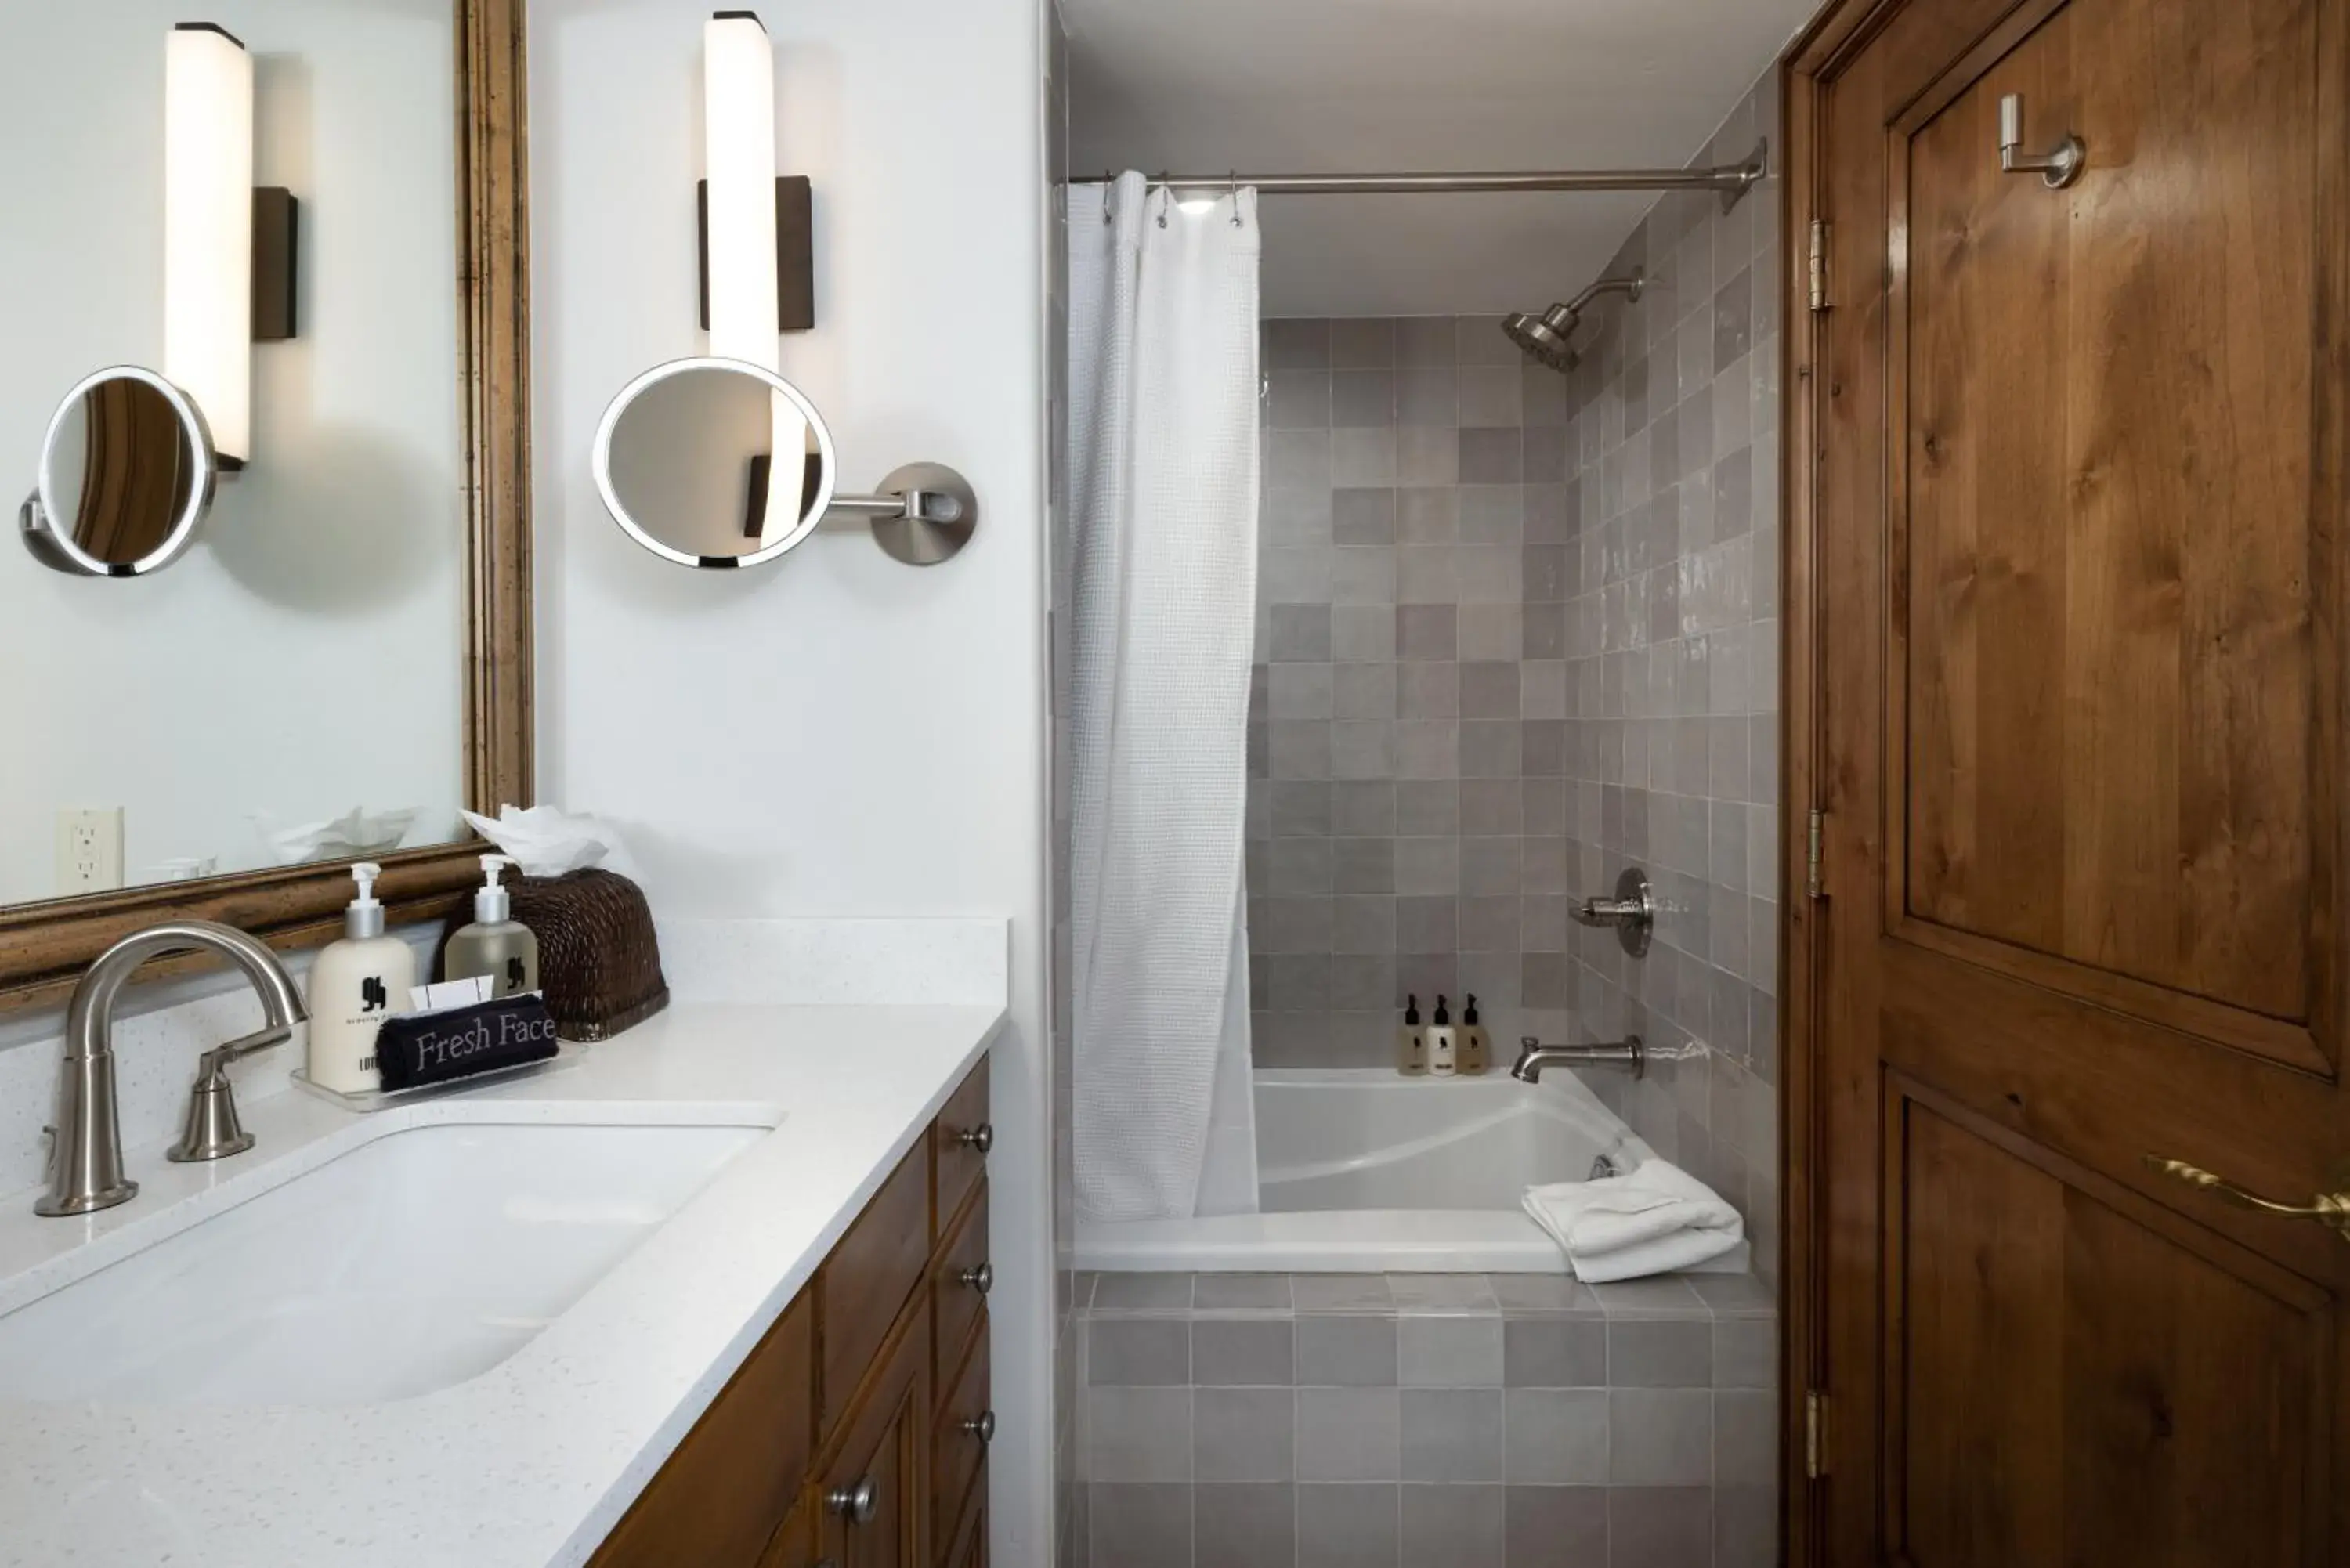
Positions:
(89, 850)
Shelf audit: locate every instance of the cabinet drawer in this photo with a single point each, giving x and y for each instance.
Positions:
(957, 1452)
(957, 1300)
(878, 1265)
(962, 1129)
(721, 1495)
(883, 1447)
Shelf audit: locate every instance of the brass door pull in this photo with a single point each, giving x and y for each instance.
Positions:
(2331, 1209)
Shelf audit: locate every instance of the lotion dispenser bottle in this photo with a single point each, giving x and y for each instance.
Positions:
(497, 945)
(1443, 1048)
(356, 983)
(1475, 1054)
(1412, 1045)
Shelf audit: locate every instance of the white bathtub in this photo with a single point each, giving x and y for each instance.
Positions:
(1366, 1171)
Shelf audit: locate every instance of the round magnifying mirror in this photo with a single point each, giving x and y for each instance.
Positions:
(127, 475)
(714, 462)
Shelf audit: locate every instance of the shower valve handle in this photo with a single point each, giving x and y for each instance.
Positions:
(1632, 911)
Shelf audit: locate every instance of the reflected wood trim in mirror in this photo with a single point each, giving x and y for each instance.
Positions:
(44, 946)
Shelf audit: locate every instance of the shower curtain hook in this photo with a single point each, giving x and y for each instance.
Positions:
(1235, 176)
(1109, 195)
(1166, 200)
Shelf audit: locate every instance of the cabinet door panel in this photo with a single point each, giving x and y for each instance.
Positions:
(869, 1275)
(884, 1444)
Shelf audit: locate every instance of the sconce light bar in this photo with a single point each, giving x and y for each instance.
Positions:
(208, 230)
(758, 261)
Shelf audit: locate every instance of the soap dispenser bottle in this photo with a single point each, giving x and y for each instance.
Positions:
(495, 945)
(357, 982)
(1412, 1045)
(1475, 1054)
(1443, 1052)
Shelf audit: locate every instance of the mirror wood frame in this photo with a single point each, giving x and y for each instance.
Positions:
(44, 946)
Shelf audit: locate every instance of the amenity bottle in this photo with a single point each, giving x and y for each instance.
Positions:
(495, 945)
(356, 984)
(1475, 1056)
(1412, 1045)
(1444, 1045)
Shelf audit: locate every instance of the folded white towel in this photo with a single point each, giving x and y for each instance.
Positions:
(1656, 1220)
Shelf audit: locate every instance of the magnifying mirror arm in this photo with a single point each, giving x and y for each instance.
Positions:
(849, 513)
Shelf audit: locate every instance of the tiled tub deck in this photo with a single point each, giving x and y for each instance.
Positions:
(1426, 1421)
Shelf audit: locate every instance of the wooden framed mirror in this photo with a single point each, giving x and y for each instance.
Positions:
(46, 942)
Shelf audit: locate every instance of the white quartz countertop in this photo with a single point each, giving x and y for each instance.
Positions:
(534, 1462)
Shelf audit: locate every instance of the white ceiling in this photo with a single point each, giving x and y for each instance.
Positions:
(1362, 85)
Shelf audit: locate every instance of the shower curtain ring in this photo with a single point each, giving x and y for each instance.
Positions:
(1235, 176)
(1109, 195)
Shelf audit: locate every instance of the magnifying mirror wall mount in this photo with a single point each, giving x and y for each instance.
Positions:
(686, 459)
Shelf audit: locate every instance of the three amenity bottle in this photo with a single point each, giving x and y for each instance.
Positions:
(1443, 1044)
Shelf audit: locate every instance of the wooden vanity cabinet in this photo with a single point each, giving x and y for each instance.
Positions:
(875, 1376)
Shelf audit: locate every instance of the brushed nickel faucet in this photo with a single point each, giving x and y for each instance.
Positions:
(1533, 1056)
(86, 1147)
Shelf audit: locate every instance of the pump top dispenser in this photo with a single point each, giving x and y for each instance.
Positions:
(1476, 1053)
(356, 983)
(495, 944)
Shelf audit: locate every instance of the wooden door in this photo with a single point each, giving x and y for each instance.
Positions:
(884, 1443)
(2076, 481)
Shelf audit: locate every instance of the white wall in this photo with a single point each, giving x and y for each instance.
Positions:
(833, 734)
(306, 657)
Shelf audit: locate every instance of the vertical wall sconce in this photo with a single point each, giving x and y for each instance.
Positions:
(208, 230)
(742, 220)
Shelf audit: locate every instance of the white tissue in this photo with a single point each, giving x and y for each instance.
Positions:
(548, 841)
(355, 833)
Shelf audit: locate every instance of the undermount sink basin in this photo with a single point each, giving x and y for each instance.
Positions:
(412, 1262)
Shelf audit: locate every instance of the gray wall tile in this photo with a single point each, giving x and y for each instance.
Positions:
(1658, 1527)
(1137, 1434)
(1352, 1526)
(1554, 1352)
(1659, 1353)
(1139, 1351)
(1244, 1525)
(1560, 1527)
(1556, 1437)
(1353, 1349)
(1661, 1437)
(1449, 1352)
(1350, 1434)
(1141, 1526)
(1243, 1434)
(1231, 1351)
(1453, 1434)
(1459, 1526)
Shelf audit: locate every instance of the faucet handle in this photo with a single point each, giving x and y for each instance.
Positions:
(209, 1065)
(212, 1130)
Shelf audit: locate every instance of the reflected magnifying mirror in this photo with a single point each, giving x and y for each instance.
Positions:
(718, 464)
(126, 477)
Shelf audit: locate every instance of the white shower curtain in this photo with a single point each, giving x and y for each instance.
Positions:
(1164, 475)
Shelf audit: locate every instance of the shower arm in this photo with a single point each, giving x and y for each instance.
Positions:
(1630, 286)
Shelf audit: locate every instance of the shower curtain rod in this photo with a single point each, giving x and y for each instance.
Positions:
(1732, 180)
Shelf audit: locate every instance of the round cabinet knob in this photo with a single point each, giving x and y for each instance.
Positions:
(981, 1279)
(980, 1137)
(982, 1426)
(859, 1504)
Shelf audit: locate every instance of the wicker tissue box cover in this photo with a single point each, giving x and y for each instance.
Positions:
(598, 962)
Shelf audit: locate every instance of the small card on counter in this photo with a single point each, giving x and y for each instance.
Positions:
(424, 1048)
(450, 993)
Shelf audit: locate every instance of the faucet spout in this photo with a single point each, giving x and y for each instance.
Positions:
(85, 1156)
(1629, 1054)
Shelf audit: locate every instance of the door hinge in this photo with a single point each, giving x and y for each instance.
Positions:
(1815, 1423)
(1819, 263)
(1814, 882)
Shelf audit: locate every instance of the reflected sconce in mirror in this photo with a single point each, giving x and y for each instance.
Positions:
(717, 461)
(130, 458)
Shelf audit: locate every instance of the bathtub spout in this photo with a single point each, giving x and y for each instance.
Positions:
(1533, 1056)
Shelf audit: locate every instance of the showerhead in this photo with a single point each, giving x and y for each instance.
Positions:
(1548, 338)
(1545, 338)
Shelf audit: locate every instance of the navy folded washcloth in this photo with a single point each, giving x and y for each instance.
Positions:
(434, 1047)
